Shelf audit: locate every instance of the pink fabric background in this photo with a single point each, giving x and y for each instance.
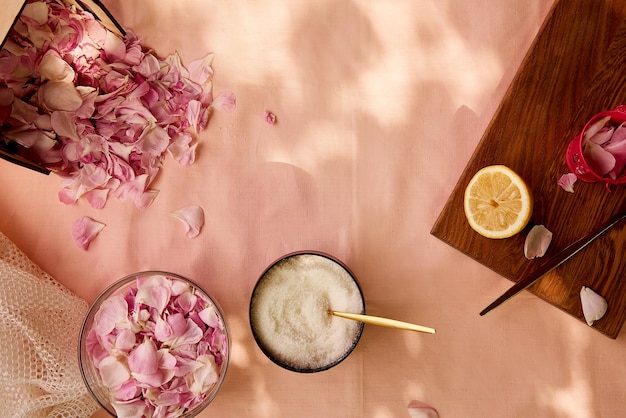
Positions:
(380, 105)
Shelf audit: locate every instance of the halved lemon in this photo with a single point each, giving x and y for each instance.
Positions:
(497, 202)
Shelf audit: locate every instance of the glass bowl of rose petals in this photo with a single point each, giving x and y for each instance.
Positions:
(154, 344)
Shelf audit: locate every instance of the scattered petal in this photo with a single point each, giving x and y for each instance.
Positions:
(97, 198)
(225, 102)
(146, 198)
(419, 409)
(537, 242)
(270, 117)
(84, 230)
(192, 217)
(200, 71)
(567, 182)
(594, 306)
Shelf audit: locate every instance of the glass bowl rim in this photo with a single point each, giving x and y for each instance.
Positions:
(115, 286)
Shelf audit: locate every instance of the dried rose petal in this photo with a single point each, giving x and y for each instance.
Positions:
(537, 242)
(84, 230)
(192, 217)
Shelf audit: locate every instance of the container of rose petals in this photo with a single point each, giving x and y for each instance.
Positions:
(290, 312)
(598, 153)
(154, 344)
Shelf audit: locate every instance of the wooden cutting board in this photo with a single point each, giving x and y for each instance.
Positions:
(575, 68)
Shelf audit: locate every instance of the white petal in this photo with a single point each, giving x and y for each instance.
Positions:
(594, 305)
(419, 409)
(192, 217)
(537, 242)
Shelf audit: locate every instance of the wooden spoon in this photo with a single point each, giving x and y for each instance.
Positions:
(383, 322)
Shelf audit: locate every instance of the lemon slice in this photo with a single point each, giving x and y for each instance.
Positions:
(497, 202)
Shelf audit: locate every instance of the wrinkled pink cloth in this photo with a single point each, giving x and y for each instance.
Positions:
(379, 107)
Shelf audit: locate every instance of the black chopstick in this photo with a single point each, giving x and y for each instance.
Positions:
(558, 259)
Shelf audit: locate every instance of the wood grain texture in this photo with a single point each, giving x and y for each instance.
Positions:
(575, 68)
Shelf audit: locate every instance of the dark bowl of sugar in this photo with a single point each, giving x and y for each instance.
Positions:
(290, 312)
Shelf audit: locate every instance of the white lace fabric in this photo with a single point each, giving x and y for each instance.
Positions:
(41, 320)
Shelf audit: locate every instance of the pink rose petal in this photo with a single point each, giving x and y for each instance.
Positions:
(593, 129)
(133, 408)
(567, 182)
(113, 372)
(270, 117)
(617, 148)
(64, 124)
(52, 67)
(192, 217)
(125, 340)
(97, 198)
(59, 95)
(114, 47)
(182, 149)
(210, 317)
(602, 136)
(537, 242)
(112, 312)
(599, 160)
(154, 292)
(126, 391)
(226, 102)
(37, 11)
(143, 359)
(204, 375)
(146, 198)
(200, 71)
(84, 230)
